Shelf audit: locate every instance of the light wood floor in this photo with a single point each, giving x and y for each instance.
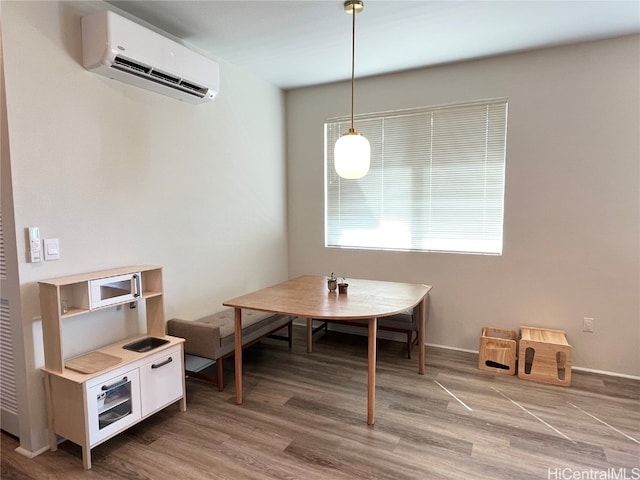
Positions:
(304, 417)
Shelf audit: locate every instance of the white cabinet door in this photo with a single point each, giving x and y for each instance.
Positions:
(113, 404)
(161, 380)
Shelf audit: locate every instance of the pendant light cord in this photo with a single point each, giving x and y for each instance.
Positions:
(353, 64)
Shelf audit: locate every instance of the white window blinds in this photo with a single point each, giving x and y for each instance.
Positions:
(436, 181)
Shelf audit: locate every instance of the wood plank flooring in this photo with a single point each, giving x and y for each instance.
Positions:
(304, 417)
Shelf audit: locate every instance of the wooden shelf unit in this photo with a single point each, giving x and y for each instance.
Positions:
(545, 356)
(154, 379)
(73, 291)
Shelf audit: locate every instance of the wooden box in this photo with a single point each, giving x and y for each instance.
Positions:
(497, 352)
(545, 356)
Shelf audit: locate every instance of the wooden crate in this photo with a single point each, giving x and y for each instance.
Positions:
(497, 352)
(545, 356)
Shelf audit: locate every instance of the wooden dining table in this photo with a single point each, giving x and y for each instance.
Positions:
(308, 297)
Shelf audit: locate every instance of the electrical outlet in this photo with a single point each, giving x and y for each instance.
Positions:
(587, 324)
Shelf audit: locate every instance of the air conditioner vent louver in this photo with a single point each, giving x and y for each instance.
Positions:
(160, 78)
(165, 76)
(127, 64)
(152, 61)
(193, 87)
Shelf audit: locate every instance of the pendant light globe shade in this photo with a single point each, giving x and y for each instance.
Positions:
(352, 155)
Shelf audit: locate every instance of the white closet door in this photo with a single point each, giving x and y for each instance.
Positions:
(10, 310)
(8, 394)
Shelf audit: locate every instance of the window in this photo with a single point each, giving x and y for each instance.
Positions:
(436, 181)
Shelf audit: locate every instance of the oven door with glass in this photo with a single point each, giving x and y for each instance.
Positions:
(112, 405)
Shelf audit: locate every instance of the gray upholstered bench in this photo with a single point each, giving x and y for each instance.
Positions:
(213, 337)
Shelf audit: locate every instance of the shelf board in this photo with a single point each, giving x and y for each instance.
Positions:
(73, 311)
(197, 364)
(149, 294)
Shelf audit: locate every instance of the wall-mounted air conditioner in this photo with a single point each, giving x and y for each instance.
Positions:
(121, 49)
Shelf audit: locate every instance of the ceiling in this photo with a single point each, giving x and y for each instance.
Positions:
(308, 42)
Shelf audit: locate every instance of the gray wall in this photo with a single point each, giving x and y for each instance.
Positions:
(124, 176)
(572, 207)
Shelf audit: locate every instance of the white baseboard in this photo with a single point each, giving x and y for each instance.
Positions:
(29, 454)
(604, 372)
(578, 369)
(446, 347)
(401, 338)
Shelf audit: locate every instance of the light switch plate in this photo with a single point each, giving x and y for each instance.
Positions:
(51, 249)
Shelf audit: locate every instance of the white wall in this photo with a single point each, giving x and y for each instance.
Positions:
(125, 176)
(572, 206)
(122, 176)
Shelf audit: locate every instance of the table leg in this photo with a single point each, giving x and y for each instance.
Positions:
(86, 457)
(371, 387)
(422, 308)
(309, 335)
(237, 319)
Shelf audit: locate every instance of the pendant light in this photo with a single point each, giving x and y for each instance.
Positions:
(352, 152)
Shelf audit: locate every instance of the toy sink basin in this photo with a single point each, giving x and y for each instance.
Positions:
(145, 344)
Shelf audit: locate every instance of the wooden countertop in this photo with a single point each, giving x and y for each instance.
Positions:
(115, 350)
